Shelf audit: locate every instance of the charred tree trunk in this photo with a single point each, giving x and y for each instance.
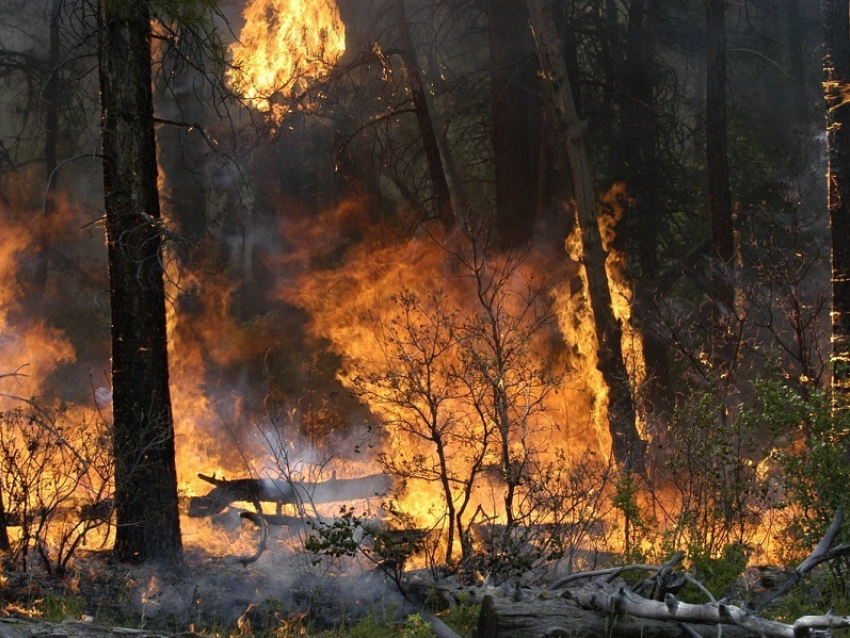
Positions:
(517, 119)
(639, 167)
(147, 521)
(284, 492)
(439, 184)
(4, 532)
(719, 195)
(798, 94)
(628, 448)
(836, 75)
(50, 97)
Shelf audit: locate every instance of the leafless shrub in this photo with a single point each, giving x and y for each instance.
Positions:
(560, 519)
(56, 479)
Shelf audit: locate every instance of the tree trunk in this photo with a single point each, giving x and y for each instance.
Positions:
(628, 448)
(50, 96)
(639, 167)
(440, 186)
(284, 492)
(719, 195)
(517, 116)
(147, 520)
(836, 76)
(797, 87)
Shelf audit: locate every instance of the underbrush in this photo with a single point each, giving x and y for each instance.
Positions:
(110, 594)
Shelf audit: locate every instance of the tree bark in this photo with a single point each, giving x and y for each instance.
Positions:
(50, 96)
(719, 194)
(628, 448)
(517, 119)
(439, 184)
(797, 86)
(639, 167)
(836, 76)
(147, 520)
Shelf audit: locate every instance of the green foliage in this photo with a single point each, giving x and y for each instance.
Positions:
(463, 617)
(637, 528)
(812, 459)
(341, 537)
(381, 622)
(416, 627)
(716, 573)
(820, 590)
(56, 608)
(350, 535)
(711, 469)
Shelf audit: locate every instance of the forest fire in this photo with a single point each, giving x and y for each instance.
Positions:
(412, 318)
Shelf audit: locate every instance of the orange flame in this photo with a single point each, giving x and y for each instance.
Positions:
(283, 47)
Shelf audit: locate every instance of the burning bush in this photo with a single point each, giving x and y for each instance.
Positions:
(56, 469)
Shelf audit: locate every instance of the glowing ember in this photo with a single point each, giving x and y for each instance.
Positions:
(283, 47)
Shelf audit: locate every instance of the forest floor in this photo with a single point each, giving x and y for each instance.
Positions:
(210, 595)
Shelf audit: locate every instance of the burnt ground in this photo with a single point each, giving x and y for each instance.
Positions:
(207, 594)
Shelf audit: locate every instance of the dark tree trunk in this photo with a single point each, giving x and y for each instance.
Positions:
(797, 93)
(439, 184)
(50, 97)
(517, 114)
(836, 75)
(148, 526)
(628, 448)
(719, 195)
(639, 167)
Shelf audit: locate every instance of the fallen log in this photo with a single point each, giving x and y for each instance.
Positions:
(603, 607)
(599, 610)
(562, 616)
(285, 492)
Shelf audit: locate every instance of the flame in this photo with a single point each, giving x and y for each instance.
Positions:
(55, 453)
(284, 46)
(356, 307)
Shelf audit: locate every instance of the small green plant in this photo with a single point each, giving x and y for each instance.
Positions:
(463, 617)
(812, 460)
(716, 573)
(56, 608)
(416, 627)
(637, 529)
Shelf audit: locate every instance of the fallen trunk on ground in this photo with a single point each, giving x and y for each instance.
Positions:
(598, 610)
(606, 606)
(285, 492)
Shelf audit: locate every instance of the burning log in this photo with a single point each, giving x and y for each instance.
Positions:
(285, 492)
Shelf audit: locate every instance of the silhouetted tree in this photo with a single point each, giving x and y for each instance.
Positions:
(717, 167)
(147, 518)
(628, 448)
(836, 76)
